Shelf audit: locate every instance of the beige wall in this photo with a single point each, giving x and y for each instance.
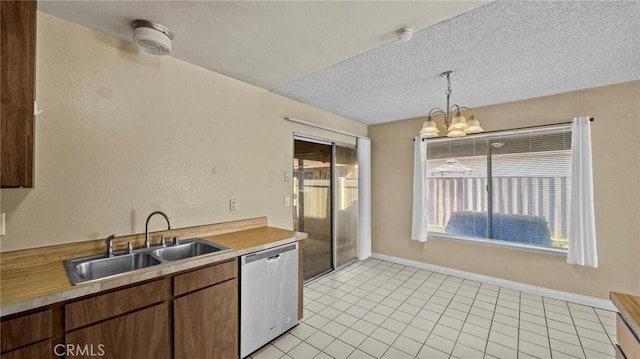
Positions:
(616, 167)
(124, 133)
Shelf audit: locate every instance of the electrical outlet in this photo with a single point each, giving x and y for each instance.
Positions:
(233, 205)
(287, 201)
(287, 177)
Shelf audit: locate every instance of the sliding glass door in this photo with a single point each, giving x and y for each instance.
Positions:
(346, 205)
(312, 163)
(325, 203)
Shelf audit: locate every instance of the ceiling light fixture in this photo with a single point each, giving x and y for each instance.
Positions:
(152, 37)
(455, 123)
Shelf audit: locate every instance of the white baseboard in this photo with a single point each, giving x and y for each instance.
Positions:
(551, 293)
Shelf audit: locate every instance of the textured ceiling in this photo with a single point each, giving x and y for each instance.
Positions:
(264, 43)
(341, 56)
(501, 52)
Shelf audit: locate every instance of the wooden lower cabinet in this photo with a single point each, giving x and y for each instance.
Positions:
(25, 329)
(627, 325)
(27, 336)
(141, 334)
(92, 310)
(41, 350)
(206, 323)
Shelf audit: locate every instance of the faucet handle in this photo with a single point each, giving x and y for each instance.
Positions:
(129, 247)
(163, 241)
(176, 240)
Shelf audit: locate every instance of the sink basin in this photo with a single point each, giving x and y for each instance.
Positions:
(87, 269)
(92, 269)
(187, 250)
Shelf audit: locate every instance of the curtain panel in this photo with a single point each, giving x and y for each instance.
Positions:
(419, 213)
(582, 232)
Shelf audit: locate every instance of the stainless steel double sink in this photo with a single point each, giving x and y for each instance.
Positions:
(96, 267)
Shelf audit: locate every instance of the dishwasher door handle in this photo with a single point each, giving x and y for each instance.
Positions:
(273, 258)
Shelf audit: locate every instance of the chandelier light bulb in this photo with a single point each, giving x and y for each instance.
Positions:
(429, 129)
(456, 133)
(474, 125)
(459, 122)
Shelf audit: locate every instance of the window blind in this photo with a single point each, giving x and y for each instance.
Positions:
(512, 186)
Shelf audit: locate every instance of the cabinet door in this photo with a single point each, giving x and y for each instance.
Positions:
(42, 350)
(92, 310)
(25, 329)
(17, 54)
(141, 334)
(206, 323)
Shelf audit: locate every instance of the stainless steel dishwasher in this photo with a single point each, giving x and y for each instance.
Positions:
(268, 295)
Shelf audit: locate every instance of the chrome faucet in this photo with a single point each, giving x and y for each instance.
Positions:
(110, 245)
(146, 227)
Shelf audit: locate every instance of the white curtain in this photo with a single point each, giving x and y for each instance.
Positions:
(364, 198)
(419, 214)
(582, 231)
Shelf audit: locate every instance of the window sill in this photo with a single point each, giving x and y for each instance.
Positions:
(499, 243)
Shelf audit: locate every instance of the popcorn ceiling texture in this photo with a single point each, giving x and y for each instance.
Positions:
(501, 52)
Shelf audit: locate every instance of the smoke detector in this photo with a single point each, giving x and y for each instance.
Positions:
(404, 34)
(152, 37)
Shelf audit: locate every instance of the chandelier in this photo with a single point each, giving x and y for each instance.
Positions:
(455, 123)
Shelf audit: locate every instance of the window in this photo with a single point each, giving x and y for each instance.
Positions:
(509, 188)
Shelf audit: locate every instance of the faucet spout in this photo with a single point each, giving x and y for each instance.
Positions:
(146, 227)
(110, 245)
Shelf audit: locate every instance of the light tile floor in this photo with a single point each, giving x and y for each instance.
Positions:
(378, 309)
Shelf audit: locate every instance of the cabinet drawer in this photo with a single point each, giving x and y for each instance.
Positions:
(90, 310)
(42, 350)
(25, 330)
(205, 277)
(144, 334)
(627, 341)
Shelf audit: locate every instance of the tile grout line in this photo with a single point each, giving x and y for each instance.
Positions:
(519, 320)
(546, 324)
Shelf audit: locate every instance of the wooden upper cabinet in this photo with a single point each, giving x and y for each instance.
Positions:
(18, 60)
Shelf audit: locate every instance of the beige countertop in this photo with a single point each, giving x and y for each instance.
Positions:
(28, 283)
